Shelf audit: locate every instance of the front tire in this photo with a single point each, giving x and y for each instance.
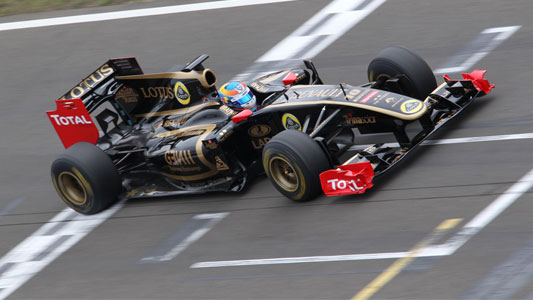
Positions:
(416, 77)
(293, 162)
(86, 178)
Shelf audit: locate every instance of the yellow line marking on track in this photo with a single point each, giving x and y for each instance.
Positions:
(391, 272)
(447, 225)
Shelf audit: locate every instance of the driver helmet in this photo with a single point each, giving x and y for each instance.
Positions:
(237, 95)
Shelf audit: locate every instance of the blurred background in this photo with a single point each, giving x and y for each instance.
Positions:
(476, 174)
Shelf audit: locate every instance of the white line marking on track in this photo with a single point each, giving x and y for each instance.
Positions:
(184, 238)
(489, 213)
(344, 15)
(156, 11)
(396, 268)
(507, 278)
(478, 139)
(477, 49)
(39, 249)
(11, 206)
(480, 221)
(311, 259)
(313, 36)
(466, 140)
(16, 266)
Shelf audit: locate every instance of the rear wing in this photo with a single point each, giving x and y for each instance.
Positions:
(102, 76)
(71, 119)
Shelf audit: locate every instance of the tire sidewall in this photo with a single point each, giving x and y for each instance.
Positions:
(394, 61)
(95, 172)
(277, 150)
(62, 165)
(306, 158)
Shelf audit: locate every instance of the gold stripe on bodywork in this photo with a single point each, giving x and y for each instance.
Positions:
(435, 90)
(179, 111)
(192, 177)
(199, 151)
(200, 76)
(208, 127)
(322, 86)
(270, 78)
(351, 104)
(439, 87)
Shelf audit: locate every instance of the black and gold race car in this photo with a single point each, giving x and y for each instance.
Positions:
(168, 133)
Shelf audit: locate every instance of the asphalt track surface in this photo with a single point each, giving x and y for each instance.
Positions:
(438, 183)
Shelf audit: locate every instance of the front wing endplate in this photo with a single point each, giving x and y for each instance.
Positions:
(347, 179)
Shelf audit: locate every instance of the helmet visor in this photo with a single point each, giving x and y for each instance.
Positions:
(244, 99)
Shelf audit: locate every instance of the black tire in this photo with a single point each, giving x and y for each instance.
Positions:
(293, 162)
(396, 61)
(86, 178)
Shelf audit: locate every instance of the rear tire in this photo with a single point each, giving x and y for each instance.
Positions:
(293, 162)
(419, 80)
(86, 178)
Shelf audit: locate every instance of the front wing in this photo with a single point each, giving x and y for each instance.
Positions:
(355, 175)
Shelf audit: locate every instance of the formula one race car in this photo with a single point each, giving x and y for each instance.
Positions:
(169, 133)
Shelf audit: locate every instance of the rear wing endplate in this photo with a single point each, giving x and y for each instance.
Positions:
(72, 122)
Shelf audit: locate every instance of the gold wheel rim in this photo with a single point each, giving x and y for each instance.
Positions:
(72, 188)
(284, 174)
(386, 76)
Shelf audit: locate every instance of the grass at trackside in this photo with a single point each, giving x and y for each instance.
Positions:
(13, 7)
